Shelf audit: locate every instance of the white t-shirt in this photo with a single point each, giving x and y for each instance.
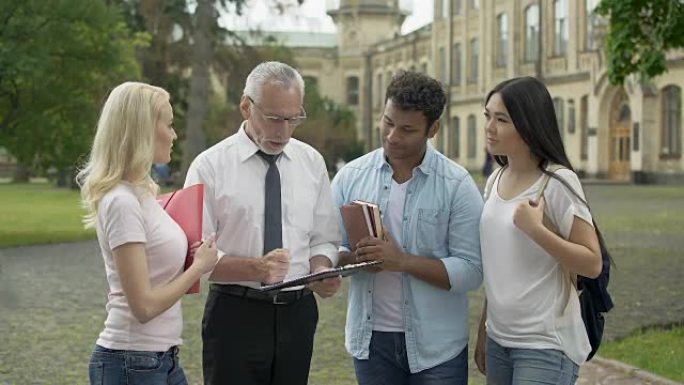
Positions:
(125, 217)
(387, 291)
(530, 304)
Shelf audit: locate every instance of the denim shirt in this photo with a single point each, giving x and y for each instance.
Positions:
(441, 220)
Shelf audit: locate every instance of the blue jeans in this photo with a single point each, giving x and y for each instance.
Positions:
(512, 366)
(127, 367)
(387, 364)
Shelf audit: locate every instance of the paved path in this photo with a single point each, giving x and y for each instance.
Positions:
(37, 281)
(601, 371)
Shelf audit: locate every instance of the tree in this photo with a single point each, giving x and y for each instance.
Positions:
(184, 35)
(329, 127)
(57, 61)
(233, 61)
(640, 34)
(200, 84)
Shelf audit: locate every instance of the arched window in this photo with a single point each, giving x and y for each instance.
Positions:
(584, 125)
(532, 33)
(502, 37)
(559, 106)
(671, 121)
(380, 92)
(455, 142)
(591, 22)
(474, 60)
(560, 27)
(353, 90)
(456, 65)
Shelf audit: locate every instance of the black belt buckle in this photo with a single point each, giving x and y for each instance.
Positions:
(275, 300)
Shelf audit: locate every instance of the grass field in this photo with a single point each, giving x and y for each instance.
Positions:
(37, 213)
(52, 297)
(661, 350)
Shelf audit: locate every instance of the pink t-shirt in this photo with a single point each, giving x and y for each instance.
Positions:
(125, 216)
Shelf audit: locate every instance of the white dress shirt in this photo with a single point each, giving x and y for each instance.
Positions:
(234, 177)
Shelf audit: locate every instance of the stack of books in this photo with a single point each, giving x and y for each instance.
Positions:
(361, 219)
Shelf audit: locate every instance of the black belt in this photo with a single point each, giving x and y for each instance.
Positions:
(279, 298)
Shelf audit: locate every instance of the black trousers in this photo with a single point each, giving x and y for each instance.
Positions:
(254, 342)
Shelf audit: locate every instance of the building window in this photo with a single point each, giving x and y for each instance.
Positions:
(456, 7)
(671, 122)
(558, 105)
(455, 142)
(571, 116)
(502, 46)
(445, 8)
(472, 136)
(353, 90)
(423, 68)
(443, 136)
(474, 60)
(443, 65)
(456, 65)
(474, 4)
(532, 33)
(591, 23)
(380, 93)
(560, 27)
(584, 125)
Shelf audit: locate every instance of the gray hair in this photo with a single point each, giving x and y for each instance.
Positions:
(272, 72)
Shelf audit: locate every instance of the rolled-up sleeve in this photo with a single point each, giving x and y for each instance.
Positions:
(464, 264)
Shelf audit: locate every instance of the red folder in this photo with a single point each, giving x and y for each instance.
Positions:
(185, 207)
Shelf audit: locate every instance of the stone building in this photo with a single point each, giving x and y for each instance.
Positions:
(630, 133)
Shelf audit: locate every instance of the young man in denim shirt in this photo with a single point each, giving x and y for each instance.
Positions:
(408, 319)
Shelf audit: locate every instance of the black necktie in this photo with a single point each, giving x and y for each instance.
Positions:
(273, 226)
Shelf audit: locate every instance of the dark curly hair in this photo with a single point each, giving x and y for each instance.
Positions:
(414, 91)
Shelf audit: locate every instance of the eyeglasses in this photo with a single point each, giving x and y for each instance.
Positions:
(278, 120)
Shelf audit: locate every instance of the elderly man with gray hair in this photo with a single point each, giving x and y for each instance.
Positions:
(269, 202)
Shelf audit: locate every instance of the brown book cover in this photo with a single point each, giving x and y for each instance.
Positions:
(354, 223)
(361, 219)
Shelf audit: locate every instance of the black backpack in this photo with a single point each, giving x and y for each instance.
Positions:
(593, 293)
(595, 299)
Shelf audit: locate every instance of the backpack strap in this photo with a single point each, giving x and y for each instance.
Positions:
(552, 170)
(490, 183)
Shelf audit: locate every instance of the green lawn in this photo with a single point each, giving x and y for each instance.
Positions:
(57, 317)
(661, 351)
(38, 213)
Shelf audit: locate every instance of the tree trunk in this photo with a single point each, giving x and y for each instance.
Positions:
(21, 173)
(198, 98)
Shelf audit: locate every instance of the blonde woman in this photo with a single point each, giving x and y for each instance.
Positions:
(143, 248)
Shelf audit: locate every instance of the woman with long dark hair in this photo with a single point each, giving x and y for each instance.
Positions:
(532, 245)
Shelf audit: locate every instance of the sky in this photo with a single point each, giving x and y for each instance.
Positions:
(310, 16)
